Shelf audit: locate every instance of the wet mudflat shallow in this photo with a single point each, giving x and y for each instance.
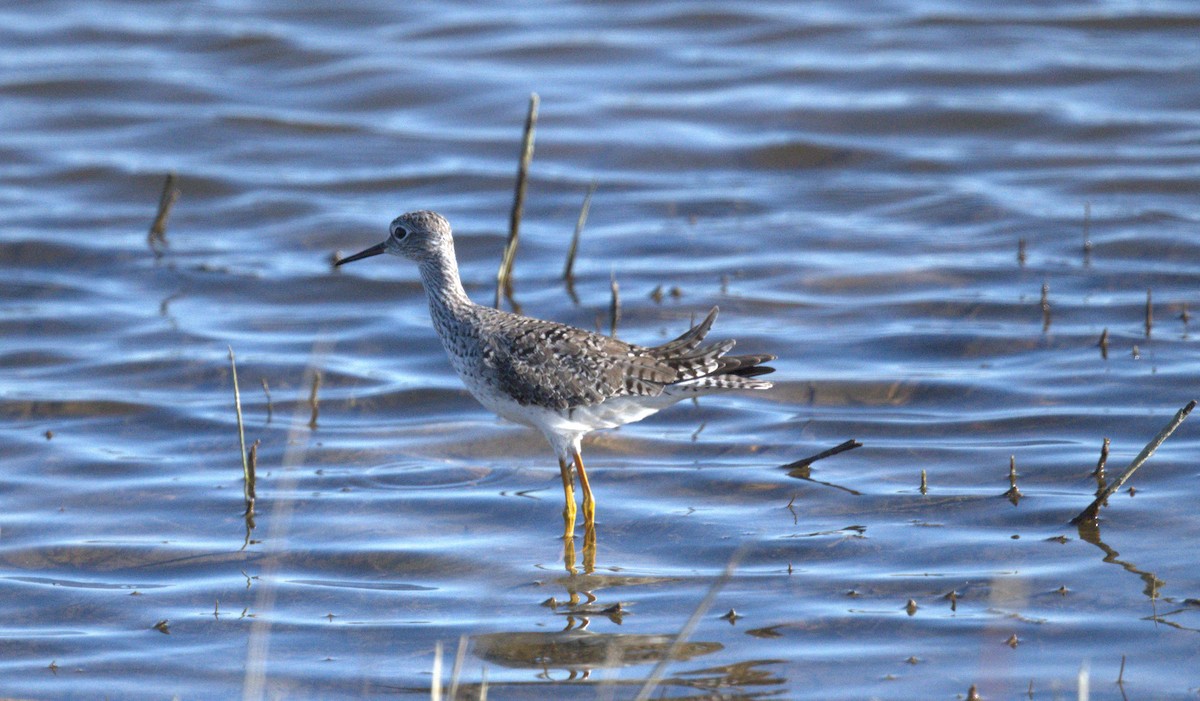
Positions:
(930, 211)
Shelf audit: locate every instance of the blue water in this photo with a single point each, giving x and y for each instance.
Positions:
(851, 183)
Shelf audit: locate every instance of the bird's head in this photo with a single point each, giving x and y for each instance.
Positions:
(418, 236)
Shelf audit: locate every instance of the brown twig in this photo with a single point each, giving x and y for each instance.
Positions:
(1013, 494)
(1103, 344)
(1089, 514)
(252, 465)
(1045, 306)
(614, 307)
(1103, 459)
(504, 275)
(157, 238)
(1021, 252)
(840, 448)
(569, 268)
(312, 399)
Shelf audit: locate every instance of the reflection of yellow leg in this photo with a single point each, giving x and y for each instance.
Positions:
(589, 504)
(569, 494)
(569, 553)
(589, 550)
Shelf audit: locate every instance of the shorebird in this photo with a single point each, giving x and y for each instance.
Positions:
(561, 380)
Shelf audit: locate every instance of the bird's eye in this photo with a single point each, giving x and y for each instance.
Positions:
(399, 232)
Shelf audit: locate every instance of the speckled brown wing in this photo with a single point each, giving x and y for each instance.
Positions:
(548, 364)
(556, 366)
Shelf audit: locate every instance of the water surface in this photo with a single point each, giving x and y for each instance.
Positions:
(851, 183)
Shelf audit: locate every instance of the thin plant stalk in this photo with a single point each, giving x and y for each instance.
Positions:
(614, 307)
(237, 405)
(685, 632)
(569, 268)
(313, 401)
(504, 275)
(157, 238)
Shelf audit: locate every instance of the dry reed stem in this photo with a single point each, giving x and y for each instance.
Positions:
(1090, 512)
(157, 238)
(312, 399)
(1099, 471)
(504, 275)
(456, 670)
(685, 632)
(614, 307)
(237, 405)
(1013, 494)
(1045, 306)
(276, 544)
(569, 268)
(252, 462)
(435, 684)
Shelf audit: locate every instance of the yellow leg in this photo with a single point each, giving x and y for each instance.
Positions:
(569, 494)
(589, 504)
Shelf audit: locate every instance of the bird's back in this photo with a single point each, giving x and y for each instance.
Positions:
(510, 359)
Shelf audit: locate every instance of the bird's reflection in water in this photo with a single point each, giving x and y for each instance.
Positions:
(574, 652)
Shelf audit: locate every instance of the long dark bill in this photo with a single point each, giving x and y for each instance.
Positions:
(372, 251)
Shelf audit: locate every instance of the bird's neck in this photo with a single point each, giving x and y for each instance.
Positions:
(443, 287)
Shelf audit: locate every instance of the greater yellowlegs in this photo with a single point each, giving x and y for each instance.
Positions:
(563, 381)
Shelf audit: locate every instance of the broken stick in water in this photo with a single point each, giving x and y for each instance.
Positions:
(1089, 514)
(840, 448)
